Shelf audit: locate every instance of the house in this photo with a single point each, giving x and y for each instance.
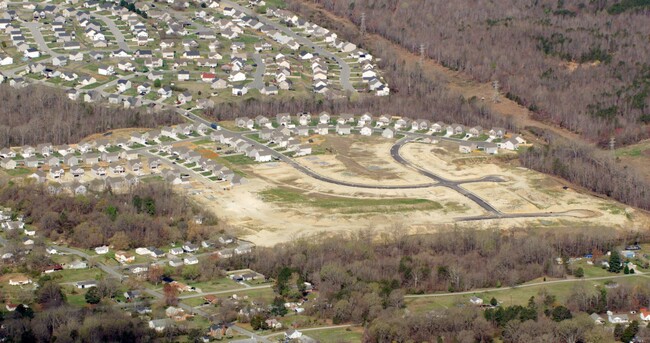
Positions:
(466, 147)
(343, 129)
(597, 319)
(159, 325)
(510, 144)
(183, 75)
(176, 251)
(86, 284)
(292, 334)
(496, 132)
(617, 318)
(644, 314)
(175, 262)
(489, 148)
(388, 133)
(8, 163)
(269, 90)
(474, 300)
(322, 129)
(124, 257)
(189, 247)
(76, 265)
(52, 268)
(190, 260)
(19, 280)
(239, 90)
(366, 130)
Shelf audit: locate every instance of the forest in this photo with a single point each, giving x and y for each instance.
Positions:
(581, 65)
(148, 215)
(38, 114)
(363, 278)
(586, 166)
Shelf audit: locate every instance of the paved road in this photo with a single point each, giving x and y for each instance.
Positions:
(258, 75)
(345, 68)
(119, 37)
(244, 289)
(455, 185)
(35, 29)
(435, 295)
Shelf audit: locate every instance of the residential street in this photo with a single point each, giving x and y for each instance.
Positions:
(119, 37)
(345, 68)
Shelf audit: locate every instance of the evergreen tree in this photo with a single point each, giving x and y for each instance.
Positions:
(579, 272)
(92, 296)
(630, 331)
(561, 313)
(615, 262)
(494, 301)
(626, 270)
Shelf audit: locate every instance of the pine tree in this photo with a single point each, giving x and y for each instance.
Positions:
(615, 262)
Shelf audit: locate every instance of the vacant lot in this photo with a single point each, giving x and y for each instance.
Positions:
(280, 203)
(346, 205)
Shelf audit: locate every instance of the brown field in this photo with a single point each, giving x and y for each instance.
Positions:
(302, 213)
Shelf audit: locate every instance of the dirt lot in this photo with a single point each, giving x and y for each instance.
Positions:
(268, 221)
(363, 160)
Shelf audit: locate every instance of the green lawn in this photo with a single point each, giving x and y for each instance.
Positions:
(18, 172)
(151, 179)
(113, 148)
(518, 295)
(287, 195)
(203, 141)
(238, 159)
(336, 335)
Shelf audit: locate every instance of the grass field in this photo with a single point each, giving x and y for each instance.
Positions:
(336, 335)
(290, 196)
(519, 295)
(18, 172)
(238, 159)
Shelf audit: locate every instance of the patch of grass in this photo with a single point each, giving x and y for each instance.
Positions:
(347, 205)
(238, 159)
(203, 142)
(136, 146)
(151, 179)
(166, 139)
(113, 148)
(18, 172)
(480, 138)
(336, 335)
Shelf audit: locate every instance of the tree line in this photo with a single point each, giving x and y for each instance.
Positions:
(39, 114)
(588, 167)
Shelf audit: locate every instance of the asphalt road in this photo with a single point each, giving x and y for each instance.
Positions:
(455, 185)
(258, 75)
(119, 37)
(34, 28)
(345, 68)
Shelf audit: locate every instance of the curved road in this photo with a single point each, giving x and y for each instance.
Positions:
(119, 37)
(345, 68)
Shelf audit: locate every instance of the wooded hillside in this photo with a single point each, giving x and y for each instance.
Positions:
(581, 65)
(37, 114)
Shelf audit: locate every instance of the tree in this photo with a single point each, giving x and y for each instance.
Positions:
(579, 272)
(560, 313)
(93, 296)
(614, 262)
(50, 295)
(277, 308)
(630, 331)
(626, 269)
(619, 330)
(494, 301)
(154, 274)
(120, 240)
(170, 294)
(258, 322)
(157, 83)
